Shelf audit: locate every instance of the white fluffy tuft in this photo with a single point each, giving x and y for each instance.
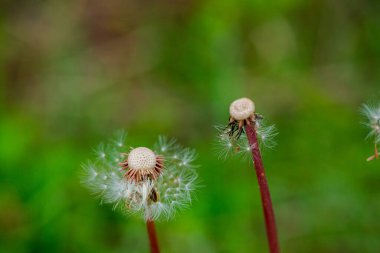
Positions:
(173, 187)
(372, 121)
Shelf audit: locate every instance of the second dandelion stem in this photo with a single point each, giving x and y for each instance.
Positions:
(376, 155)
(270, 222)
(152, 236)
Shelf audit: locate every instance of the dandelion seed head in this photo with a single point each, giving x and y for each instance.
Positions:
(158, 192)
(232, 138)
(372, 121)
(242, 108)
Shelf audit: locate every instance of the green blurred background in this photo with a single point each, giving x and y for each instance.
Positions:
(73, 72)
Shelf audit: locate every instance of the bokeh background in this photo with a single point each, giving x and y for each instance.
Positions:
(73, 72)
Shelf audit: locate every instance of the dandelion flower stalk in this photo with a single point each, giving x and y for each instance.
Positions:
(243, 119)
(152, 236)
(264, 189)
(372, 115)
(153, 183)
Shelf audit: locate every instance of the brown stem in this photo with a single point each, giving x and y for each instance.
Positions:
(270, 222)
(376, 155)
(152, 236)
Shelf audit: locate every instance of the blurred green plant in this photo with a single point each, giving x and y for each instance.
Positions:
(72, 71)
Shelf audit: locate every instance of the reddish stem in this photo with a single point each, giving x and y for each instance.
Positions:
(270, 222)
(152, 236)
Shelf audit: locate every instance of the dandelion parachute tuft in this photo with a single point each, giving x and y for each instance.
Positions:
(372, 121)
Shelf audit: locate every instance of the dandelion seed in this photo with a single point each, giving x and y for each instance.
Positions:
(372, 121)
(266, 134)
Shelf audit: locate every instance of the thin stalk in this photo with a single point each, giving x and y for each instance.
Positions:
(376, 155)
(376, 151)
(152, 236)
(270, 222)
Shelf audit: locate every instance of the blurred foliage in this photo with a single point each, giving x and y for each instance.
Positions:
(73, 72)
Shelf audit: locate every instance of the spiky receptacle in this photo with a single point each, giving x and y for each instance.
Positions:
(232, 138)
(242, 109)
(242, 112)
(142, 164)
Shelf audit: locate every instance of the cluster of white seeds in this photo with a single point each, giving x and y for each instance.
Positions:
(372, 115)
(172, 189)
(227, 146)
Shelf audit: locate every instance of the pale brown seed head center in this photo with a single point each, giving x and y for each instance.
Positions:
(242, 109)
(141, 159)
